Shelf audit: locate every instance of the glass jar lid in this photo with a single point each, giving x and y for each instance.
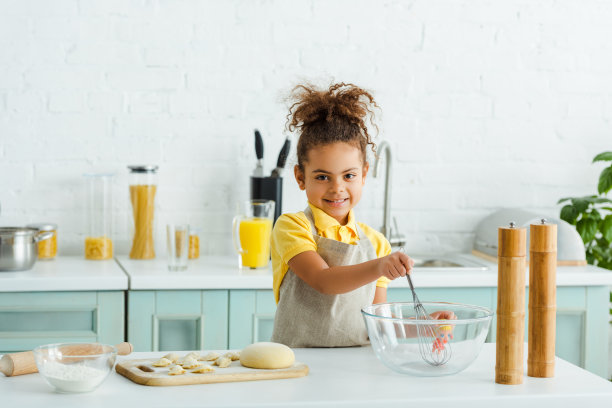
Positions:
(143, 168)
(43, 226)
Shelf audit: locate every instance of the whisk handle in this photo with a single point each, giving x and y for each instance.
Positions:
(414, 298)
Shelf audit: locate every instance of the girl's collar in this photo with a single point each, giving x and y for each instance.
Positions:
(324, 221)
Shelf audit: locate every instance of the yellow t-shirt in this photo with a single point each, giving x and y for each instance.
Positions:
(292, 235)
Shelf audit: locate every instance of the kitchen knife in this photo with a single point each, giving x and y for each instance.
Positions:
(282, 158)
(258, 172)
(23, 363)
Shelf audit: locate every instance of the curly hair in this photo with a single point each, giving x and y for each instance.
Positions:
(337, 114)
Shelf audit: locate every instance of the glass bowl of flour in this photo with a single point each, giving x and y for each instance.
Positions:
(75, 367)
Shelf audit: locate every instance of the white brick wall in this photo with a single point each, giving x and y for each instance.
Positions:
(487, 104)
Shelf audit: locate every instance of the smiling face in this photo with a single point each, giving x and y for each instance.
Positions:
(333, 178)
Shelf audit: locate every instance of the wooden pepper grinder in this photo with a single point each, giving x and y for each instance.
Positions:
(511, 253)
(542, 299)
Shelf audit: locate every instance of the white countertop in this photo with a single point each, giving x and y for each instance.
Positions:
(223, 272)
(72, 273)
(66, 273)
(347, 377)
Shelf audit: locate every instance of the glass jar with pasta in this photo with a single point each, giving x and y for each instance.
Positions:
(143, 188)
(47, 248)
(98, 239)
(194, 243)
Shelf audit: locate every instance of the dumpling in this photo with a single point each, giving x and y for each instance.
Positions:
(176, 370)
(233, 355)
(211, 356)
(223, 362)
(194, 354)
(162, 362)
(172, 357)
(204, 368)
(192, 364)
(187, 361)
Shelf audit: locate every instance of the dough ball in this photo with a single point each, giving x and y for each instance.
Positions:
(267, 355)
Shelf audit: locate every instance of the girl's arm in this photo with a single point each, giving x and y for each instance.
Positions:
(313, 270)
(380, 296)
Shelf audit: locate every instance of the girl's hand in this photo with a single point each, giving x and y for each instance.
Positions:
(443, 315)
(395, 265)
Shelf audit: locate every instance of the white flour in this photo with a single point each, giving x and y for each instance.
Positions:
(73, 377)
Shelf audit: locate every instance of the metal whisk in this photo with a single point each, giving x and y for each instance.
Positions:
(434, 350)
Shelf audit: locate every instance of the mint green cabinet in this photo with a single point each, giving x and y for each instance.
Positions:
(581, 325)
(251, 317)
(222, 319)
(178, 319)
(29, 319)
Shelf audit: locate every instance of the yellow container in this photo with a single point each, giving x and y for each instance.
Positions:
(98, 248)
(194, 243)
(47, 248)
(255, 241)
(143, 189)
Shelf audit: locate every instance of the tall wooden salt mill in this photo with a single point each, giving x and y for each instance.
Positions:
(542, 299)
(511, 252)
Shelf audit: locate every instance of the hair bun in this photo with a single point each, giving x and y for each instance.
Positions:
(340, 102)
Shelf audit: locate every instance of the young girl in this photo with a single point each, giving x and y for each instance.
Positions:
(327, 266)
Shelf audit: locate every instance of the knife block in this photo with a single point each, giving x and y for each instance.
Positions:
(268, 188)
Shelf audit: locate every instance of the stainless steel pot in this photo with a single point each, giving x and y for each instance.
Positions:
(19, 247)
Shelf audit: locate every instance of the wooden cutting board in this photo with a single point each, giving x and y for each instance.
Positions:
(142, 372)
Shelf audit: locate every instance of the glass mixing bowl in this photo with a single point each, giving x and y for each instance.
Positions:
(75, 367)
(393, 331)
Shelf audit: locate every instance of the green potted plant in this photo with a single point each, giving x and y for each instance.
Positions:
(592, 216)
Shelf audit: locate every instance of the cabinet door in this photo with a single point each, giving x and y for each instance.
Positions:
(29, 319)
(167, 320)
(251, 317)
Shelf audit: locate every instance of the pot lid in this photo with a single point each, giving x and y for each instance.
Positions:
(17, 231)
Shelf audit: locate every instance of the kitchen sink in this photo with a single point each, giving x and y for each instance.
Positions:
(448, 261)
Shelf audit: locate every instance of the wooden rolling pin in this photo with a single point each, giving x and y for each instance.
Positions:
(510, 305)
(23, 363)
(542, 299)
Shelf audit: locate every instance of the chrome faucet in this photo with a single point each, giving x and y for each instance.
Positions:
(395, 239)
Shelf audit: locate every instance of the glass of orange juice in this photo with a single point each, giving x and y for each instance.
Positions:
(251, 233)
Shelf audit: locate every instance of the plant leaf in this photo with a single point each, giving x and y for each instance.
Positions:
(605, 180)
(606, 228)
(605, 156)
(600, 200)
(569, 214)
(581, 203)
(594, 214)
(587, 228)
(564, 199)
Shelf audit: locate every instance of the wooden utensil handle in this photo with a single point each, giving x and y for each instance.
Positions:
(23, 363)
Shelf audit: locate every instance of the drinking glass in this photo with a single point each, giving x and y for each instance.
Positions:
(251, 233)
(178, 246)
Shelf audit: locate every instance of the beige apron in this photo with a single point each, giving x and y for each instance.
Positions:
(308, 318)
